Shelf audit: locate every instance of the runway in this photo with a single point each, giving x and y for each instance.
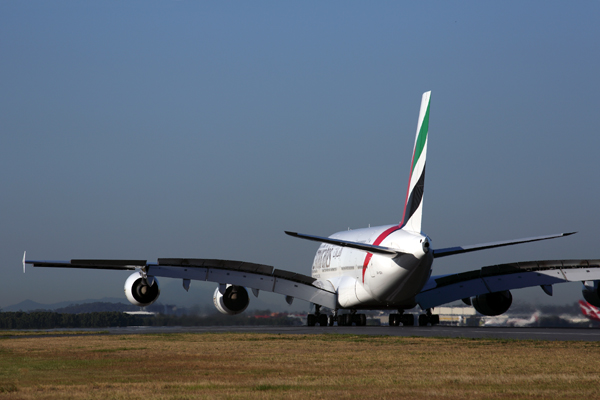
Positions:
(563, 334)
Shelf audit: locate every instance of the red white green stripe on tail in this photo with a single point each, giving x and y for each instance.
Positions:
(413, 207)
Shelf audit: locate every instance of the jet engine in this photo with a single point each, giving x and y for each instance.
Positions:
(591, 292)
(141, 292)
(234, 300)
(492, 303)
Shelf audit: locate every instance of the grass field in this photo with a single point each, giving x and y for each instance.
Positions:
(186, 366)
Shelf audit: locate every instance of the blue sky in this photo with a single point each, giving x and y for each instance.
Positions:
(206, 129)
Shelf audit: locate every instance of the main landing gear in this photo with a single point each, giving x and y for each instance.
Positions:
(352, 318)
(401, 318)
(317, 317)
(428, 318)
(341, 319)
(409, 320)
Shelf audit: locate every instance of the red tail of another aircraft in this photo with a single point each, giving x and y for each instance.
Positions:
(589, 310)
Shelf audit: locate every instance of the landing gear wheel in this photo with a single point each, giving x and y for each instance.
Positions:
(362, 319)
(428, 318)
(408, 320)
(331, 320)
(311, 319)
(322, 319)
(348, 319)
(394, 319)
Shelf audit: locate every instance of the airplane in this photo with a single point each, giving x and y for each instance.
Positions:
(376, 268)
(589, 310)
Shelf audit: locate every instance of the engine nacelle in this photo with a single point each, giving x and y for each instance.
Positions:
(140, 293)
(492, 304)
(591, 292)
(234, 301)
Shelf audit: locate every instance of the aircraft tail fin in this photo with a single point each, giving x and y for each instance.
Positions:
(413, 207)
(589, 310)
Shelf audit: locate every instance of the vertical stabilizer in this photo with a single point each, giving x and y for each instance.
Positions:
(413, 207)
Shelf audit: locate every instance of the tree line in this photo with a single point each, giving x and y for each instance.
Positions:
(52, 320)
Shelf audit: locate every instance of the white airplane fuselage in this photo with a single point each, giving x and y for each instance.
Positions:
(364, 280)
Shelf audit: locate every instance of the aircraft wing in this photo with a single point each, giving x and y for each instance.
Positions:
(447, 288)
(250, 275)
(92, 264)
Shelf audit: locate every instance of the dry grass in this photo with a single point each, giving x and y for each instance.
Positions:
(182, 366)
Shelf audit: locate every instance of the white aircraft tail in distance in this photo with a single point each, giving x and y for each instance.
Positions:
(377, 268)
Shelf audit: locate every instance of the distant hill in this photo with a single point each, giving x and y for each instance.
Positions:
(118, 307)
(29, 305)
(94, 306)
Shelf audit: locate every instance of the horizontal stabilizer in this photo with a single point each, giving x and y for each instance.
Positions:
(475, 247)
(369, 248)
